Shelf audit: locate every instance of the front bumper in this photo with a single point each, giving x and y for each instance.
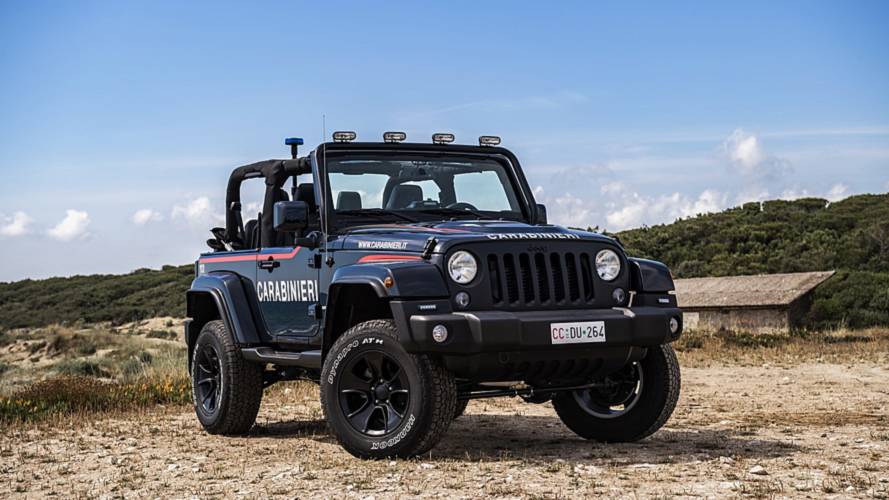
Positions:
(509, 331)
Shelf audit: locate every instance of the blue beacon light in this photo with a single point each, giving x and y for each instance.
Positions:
(294, 143)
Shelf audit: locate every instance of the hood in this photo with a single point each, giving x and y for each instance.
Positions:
(413, 237)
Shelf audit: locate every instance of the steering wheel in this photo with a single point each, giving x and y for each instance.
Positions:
(462, 205)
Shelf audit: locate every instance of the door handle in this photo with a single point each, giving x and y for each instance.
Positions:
(269, 264)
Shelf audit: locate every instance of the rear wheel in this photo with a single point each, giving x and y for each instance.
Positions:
(460, 407)
(226, 389)
(629, 405)
(379, 400)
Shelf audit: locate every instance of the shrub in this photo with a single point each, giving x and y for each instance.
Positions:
(856, 299)
(81, 367)
(161, 334)
(73, 394)
(4, 367)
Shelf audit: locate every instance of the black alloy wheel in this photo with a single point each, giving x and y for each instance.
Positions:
(374, 393)
(208, 384)
(627, 405)
(616, 394)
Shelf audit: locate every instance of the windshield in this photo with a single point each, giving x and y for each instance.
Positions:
(420, 188)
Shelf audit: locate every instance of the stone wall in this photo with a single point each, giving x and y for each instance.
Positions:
(774, 320)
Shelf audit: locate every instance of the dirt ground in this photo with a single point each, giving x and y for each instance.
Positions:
(810, 430)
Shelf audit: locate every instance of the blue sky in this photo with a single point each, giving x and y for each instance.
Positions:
(121, 120)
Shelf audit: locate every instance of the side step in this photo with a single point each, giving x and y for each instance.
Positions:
(304, 359)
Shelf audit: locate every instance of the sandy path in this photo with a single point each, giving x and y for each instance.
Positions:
(805, 431)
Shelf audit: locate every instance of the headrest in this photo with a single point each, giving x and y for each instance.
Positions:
(281, 195)
(306, 192)
(348, 200)
(403, 195)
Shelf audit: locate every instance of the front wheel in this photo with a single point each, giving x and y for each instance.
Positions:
(627, 405)
(227, 389)
(381, 401)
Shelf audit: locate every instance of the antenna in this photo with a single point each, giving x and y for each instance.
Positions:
(323, 180)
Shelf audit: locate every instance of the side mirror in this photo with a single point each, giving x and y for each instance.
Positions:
(291, 216)
(541, 214)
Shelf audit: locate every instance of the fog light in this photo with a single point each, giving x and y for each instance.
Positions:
(674, 325)
(462, 300)
(440, 333)
(618, 295)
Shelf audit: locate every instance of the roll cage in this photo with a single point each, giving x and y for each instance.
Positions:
(276, 172)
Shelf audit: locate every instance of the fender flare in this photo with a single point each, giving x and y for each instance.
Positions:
(227, 292)
(650, 276)
(409, 279)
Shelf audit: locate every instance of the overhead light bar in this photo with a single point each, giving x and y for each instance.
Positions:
(488, 140)
(442, 138)
(344, 136)
(394, 136)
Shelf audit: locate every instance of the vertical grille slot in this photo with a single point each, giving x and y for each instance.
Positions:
(512, 281)
(527, 279)
(586, 273)
(542, 277)
(494, 277)
(558, 277)
(573, 282)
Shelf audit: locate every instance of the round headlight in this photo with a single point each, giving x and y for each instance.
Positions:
(462, 267)
(607, 264)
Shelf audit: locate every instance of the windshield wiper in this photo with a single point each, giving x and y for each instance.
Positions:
(455, 211)
(375, 212)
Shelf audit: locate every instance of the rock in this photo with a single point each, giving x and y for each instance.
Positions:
(726, 460)
(643, 466)
(758, 470)
(427, 466)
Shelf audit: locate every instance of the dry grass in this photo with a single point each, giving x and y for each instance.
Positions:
(700, 348)
(84, 396)
(62, 371)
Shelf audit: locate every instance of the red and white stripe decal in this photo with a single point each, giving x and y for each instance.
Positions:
(387, 258)
(251, 257)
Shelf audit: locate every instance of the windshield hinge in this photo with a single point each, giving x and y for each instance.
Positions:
(429, 247)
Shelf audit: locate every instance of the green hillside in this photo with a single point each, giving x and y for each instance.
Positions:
(851, 236)
(117, 298)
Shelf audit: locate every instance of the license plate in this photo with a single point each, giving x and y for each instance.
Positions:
(577, 333)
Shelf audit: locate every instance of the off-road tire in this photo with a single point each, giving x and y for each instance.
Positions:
(656, 402)
(432, 394)
(460, 408)
(241, 384)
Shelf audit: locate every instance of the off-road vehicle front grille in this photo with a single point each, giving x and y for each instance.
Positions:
(540, 279)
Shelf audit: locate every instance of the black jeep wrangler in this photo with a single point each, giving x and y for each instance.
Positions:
(407, 279)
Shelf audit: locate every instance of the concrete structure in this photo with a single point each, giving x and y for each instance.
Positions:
(765, 303)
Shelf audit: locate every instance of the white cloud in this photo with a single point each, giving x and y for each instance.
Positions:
(837, 192)
(196, 212)
(746, 152)
(16, 225)
(146, 215)
(636, 210)
(794, 193)
(73, 226)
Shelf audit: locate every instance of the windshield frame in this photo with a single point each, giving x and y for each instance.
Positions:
(338, 224)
